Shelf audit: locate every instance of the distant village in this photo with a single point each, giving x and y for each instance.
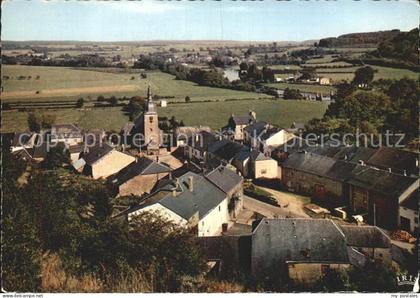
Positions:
(211, 182)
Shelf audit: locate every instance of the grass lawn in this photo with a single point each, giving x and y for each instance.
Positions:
(106, 118)
(69, 83)
(303, 87)
(216, 114)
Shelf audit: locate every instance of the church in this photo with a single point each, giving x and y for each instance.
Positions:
(147, 125)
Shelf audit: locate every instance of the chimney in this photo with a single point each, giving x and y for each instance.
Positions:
(191, 183)
(405, 172)
(389, 170)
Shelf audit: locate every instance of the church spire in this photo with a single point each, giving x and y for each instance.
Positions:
(149, 92)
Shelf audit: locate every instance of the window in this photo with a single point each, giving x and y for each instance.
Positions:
(220, 208)
(264, 171)
(151, 119)
(416, 220)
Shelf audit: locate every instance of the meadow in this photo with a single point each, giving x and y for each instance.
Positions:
(216, 114)
(213, 114)
(69, 83)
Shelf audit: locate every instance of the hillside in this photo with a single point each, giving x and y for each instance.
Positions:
(403, 46)
(355, 39)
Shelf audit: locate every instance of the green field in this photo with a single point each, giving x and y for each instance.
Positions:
(214, 114)
(68, 83)
(303, 87)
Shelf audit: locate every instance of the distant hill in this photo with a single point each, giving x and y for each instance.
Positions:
(357, 39)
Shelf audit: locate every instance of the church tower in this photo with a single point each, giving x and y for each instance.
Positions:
(151, 129)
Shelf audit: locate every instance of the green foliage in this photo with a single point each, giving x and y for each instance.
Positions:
(363, 75)
(403, 47)
(36, 121)
(374, 277)
(292, 94)
(21, 252)
(187, 99)
(80, 102)
(56, 157)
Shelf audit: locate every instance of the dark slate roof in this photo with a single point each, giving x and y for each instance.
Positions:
(224, 178)
(412, 202)
(342, 171)
(303, 240)
(242, 120)
(78, 148)
(256, 128)
(96, 153)
(143, 166)
(383, 182)
(204, 197)
(269, 132)
(65, 131)
(189, 131)
(309, 163)
(227, 149)
(386, 157)
(365, 236)
(257, 155)
(202, 140)
(354, 154)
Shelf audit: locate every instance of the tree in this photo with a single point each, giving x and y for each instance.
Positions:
(170, 251)
(113, 101)
(292, 94)
(187, 99)
(363, 76)
(80, 102)
(33, 122)
(100, 98)
(56, 157)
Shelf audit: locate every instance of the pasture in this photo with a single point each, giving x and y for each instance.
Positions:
(214, 114)
(69, 83)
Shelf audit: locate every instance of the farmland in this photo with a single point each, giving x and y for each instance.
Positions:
(214, 114)
(69, 83)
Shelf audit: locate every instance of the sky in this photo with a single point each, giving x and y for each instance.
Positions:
(269, 20)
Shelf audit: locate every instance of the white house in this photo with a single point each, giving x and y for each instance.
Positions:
(273, 138)
(102, 161)
(192, 201)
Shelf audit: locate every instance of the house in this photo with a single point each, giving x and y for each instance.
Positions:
(198, 145)
(302, 249)
(263, 166)
(69, 134)
(183, 133)
(23, 140)
(94, 136)
(272, 138)
(102, 161)
(138, 177)
(35, 154)
(307, 173)
(377, 194)
(237, 124)
(369, 241)
(253, 131)
(409, 213)
(191, 201)
(324, 81)
(231, 184)
(297, 127)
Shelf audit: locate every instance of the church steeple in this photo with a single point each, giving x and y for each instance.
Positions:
(149, 92)
(150, 105)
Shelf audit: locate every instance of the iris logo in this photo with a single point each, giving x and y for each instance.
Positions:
(409, 280)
